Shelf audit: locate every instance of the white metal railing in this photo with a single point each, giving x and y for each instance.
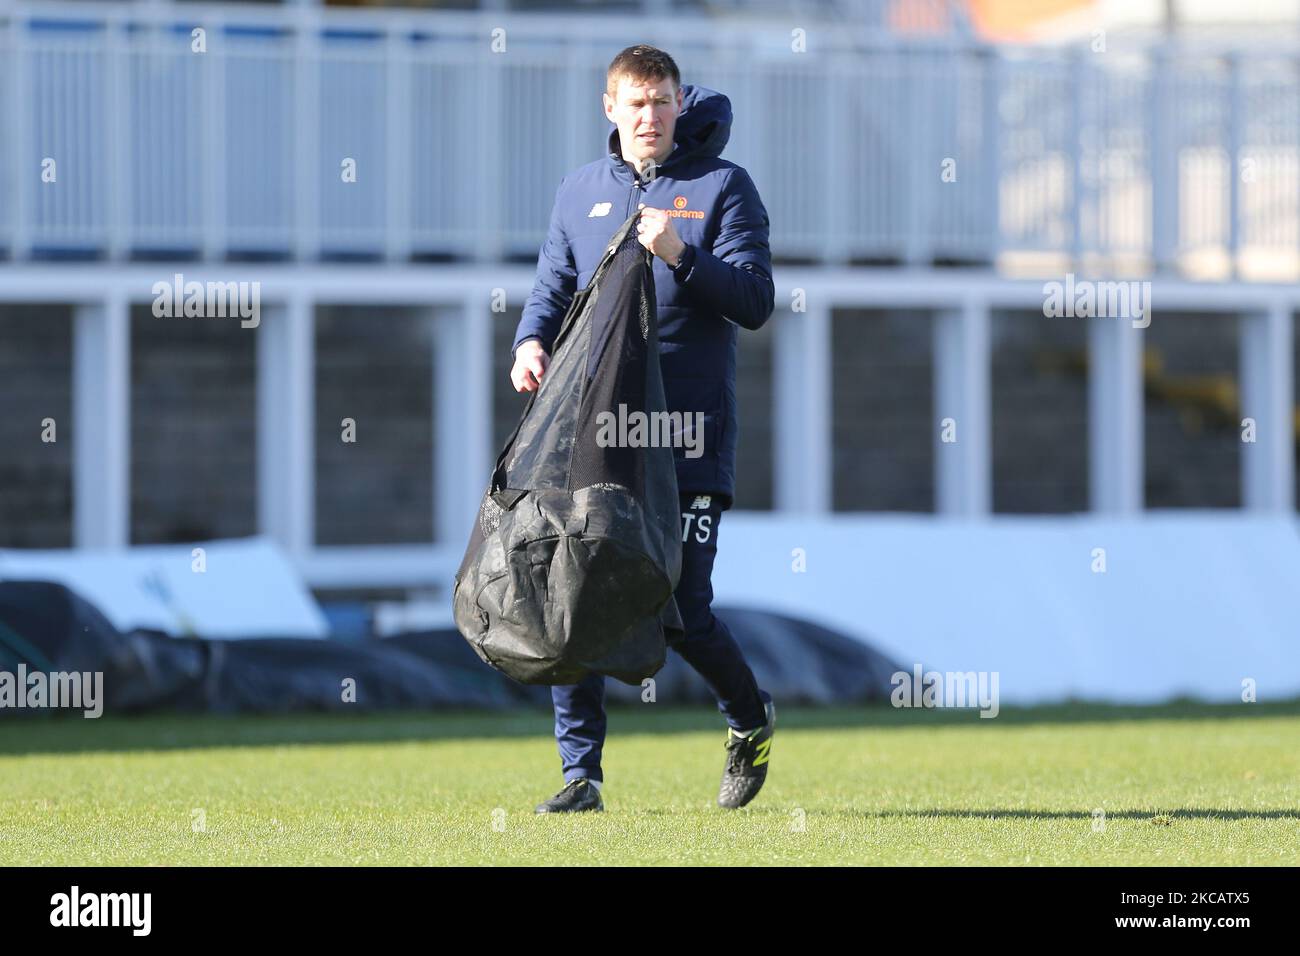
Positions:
(864, 147)
(236, 152)
(458, 301)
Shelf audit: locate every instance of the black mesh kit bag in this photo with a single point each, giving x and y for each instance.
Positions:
(572, 563)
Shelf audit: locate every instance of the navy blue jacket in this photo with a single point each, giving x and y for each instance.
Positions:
(722, 284)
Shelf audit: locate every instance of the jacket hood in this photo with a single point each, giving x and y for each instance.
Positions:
(703, 128)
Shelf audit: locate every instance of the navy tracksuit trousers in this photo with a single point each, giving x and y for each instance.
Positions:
(707, 646)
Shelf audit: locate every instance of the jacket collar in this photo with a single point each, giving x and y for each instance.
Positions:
(625, 171)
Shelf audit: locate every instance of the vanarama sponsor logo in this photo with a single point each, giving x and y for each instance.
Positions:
(102, 909)
(679, 210)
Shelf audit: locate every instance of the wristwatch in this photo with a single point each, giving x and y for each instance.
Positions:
(684, 262)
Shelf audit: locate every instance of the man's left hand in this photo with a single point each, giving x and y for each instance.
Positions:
(655, 231)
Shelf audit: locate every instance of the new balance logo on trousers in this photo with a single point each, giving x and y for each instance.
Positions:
(709, 647)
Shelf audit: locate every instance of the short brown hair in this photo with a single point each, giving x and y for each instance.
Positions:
(642, 63)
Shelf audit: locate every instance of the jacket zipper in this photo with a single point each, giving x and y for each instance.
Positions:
(631, 199)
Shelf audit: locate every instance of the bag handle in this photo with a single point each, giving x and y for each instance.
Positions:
(497, 488)
(506, 497)
(580, 301)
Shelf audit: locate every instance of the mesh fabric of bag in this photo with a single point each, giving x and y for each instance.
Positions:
(576, 552)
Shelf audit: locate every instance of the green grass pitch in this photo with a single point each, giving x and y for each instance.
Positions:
(1179, 784)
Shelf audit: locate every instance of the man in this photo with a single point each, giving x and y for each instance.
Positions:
(702, 218)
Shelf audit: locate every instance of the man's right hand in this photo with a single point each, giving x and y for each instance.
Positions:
(531, 361)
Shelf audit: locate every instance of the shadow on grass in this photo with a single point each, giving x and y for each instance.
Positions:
(1197, 813)
(1146, 816)
(71, 733)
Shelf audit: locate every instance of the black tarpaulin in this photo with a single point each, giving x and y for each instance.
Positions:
(572, 563)
(48, 627)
